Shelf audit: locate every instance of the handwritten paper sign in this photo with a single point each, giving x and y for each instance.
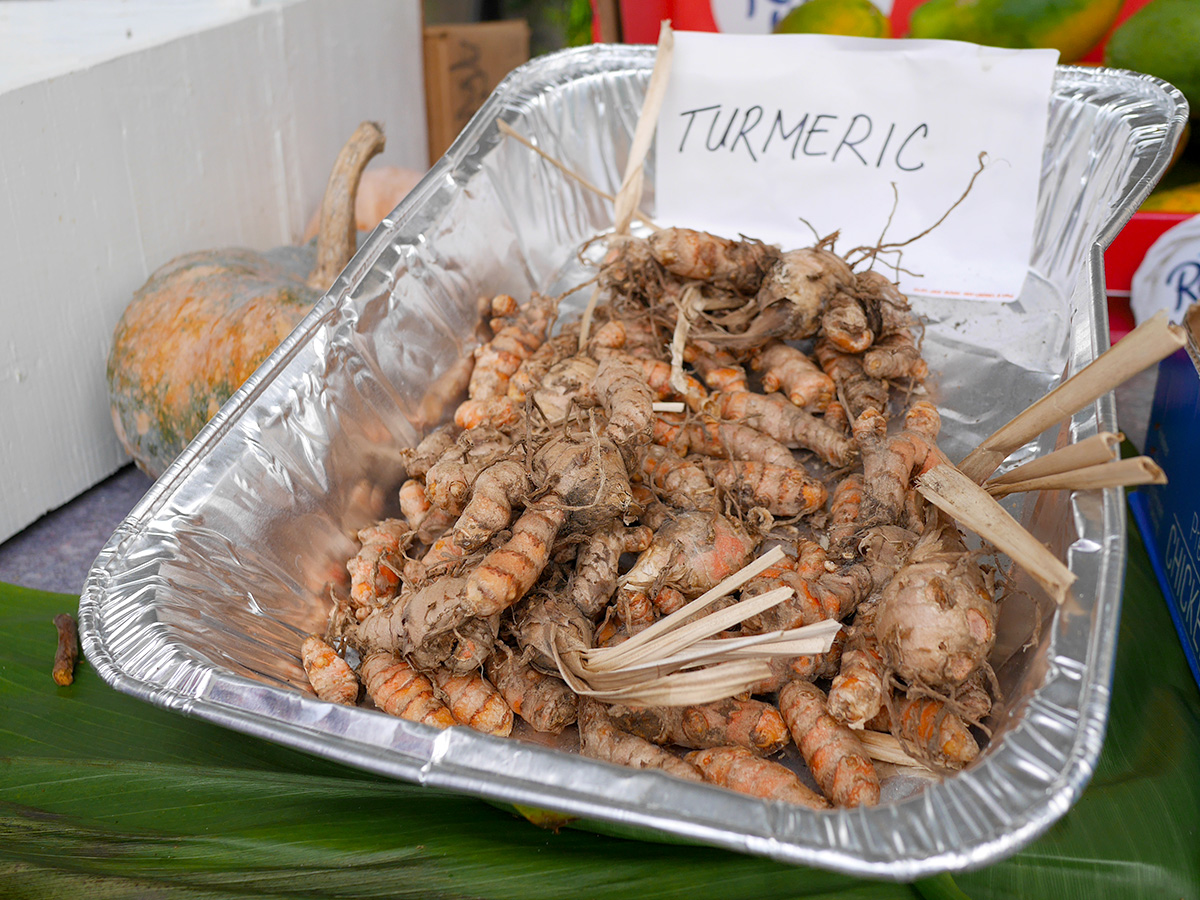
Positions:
(789, 137)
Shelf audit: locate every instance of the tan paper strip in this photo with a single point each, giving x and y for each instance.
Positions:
(957, 495)
(681, 616)
(1096, 450)
(1146, 345)
(509, 131)
(668, 406)
(1123, 473)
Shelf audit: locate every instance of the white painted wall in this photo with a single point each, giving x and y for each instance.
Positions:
(129, 136)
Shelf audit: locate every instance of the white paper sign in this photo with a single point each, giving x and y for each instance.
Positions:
(759, 134)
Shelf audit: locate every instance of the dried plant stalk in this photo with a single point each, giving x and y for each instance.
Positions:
(1122, 473)
(675, 662)
(1096, 450)
(957, 495)
(685, 614)
(509, 131)
(630, 193)
(1152, 341)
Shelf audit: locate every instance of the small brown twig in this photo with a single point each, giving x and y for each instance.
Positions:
(896, 246)
(68, 649)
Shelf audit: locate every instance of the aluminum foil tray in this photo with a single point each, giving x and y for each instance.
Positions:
(198, 601)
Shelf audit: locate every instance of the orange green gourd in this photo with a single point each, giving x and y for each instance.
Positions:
(201, 325)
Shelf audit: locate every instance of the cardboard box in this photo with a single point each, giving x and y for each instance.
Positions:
(1168, 516)
(132, 131)
(463, 65)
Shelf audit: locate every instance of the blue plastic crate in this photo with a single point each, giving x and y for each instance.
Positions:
(1168, 516)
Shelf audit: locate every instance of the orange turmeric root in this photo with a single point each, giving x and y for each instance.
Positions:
(718, 369)
(627, 399)
(543, 701)
(544, 623)
(375, 569)
(693, 552)
(778, 417)
(448, 481)
(459, 650)
(595, 578)
(497, 412)
(737, 769)
(752, 724)
(400, 690)
(858, 390)
(834, 754)
(657, 375)
(936, 619)
(786, 369)
(847, 324)
(569, 381)
(836, 417)
(414, 505)
(418, 459)
(793, 294)
(473, 701)
(331, 677)
(532, 371)
(895, 355)
(699, 256)
(937, 734)
(508, 572)
(680, 483)
(600, 739)
(490, 508)
(890, 464)
(707, 436)
(845, 511)
(859, 690)
(782, 491)
(514, 342)
(819, 594)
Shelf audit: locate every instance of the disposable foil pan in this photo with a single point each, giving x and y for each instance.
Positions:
(198, 601)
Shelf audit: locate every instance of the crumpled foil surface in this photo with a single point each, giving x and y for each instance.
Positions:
(199, 601)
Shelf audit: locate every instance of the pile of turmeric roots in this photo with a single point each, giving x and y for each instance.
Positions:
(718, 398)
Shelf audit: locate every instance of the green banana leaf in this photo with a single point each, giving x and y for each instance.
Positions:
(103, 796)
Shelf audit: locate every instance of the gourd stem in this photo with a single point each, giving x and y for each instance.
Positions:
(337, 238)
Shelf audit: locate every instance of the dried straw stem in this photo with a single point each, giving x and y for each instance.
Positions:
(1096, 450)
(957, 495)
(1146, 345)
(630, 193)
(886, 748)
(509, 131)
(678, 662)
(1121, 473)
